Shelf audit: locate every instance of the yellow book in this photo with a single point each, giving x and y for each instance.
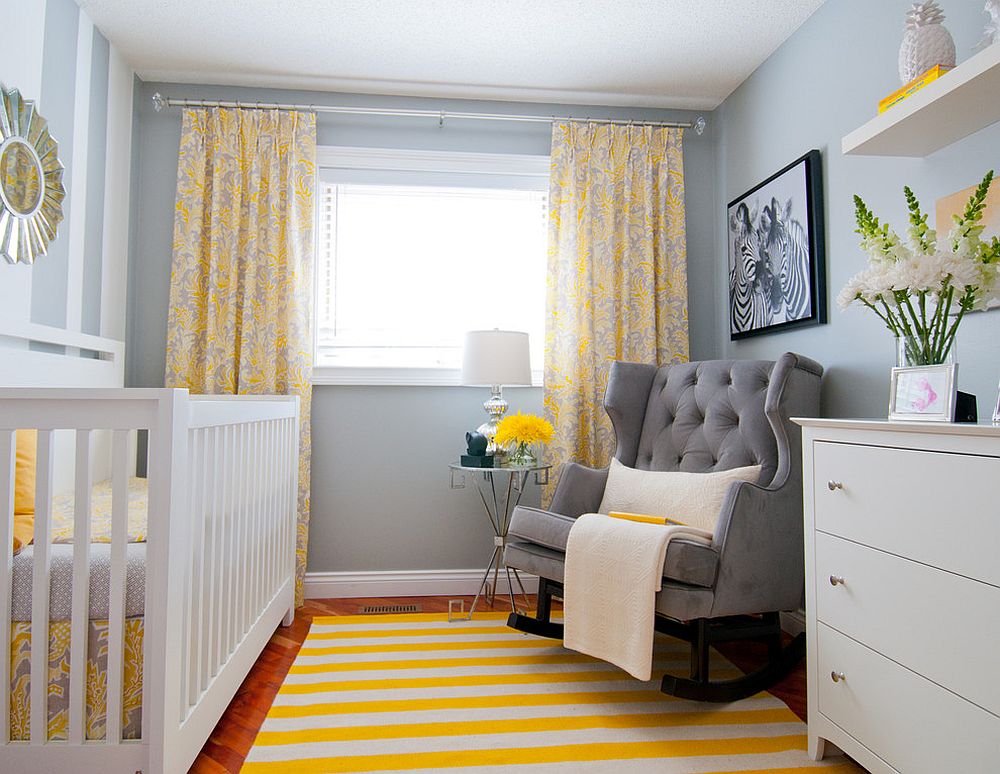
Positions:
(912, 87)
(644, 518)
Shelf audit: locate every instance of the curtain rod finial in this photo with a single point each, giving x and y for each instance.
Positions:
(159, 102)
(700, 124)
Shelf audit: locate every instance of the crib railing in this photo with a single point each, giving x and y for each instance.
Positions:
(222, 489)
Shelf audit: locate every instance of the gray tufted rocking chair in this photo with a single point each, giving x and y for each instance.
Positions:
(699, 417)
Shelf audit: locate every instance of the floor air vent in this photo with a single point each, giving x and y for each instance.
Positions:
(383, 609)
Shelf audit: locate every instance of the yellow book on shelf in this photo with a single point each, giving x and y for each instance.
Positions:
(912, 87)
(644, 518)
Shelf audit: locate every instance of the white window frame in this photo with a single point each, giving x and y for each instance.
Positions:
(533, 170)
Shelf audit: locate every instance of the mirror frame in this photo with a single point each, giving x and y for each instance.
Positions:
(25, 236)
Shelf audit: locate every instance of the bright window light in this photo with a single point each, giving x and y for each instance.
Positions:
(403, 271)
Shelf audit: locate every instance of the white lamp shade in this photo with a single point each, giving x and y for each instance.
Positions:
(496, 357)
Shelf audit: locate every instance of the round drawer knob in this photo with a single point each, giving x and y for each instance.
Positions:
(834, 485)
(837, 677)
(837, 580)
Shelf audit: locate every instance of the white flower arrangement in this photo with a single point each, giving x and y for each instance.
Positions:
(919, 288)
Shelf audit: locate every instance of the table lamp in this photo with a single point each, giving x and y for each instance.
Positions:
(493, 359)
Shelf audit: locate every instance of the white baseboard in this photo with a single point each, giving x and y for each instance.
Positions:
(404, 583)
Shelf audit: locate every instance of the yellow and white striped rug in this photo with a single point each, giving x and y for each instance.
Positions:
(412, 692)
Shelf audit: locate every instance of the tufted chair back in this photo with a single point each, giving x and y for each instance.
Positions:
(711, 415)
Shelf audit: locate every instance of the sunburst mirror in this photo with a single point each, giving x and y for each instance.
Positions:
(31, 187)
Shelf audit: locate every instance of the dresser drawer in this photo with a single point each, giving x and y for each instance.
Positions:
(912, 724)
(940, 509)
(916, 615)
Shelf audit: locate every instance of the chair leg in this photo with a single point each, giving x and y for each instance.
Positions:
(541, 624)
(699, 651)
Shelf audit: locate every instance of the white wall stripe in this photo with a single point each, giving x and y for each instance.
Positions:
(77, 194)
(117, 180)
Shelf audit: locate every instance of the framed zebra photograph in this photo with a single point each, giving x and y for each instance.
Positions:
(777, 273)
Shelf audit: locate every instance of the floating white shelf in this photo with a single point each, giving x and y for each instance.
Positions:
(959, 103)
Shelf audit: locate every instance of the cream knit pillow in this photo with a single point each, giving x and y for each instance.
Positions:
(690, 498)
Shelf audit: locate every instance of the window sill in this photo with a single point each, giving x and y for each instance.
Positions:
(396, 377)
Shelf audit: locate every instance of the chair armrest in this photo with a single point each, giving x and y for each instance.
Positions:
(760, 539)
(580, 490)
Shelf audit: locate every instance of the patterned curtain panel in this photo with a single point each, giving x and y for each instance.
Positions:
(617, 273)
(240, 319)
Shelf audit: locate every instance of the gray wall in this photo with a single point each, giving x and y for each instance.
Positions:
(823, 83)
(381, 496)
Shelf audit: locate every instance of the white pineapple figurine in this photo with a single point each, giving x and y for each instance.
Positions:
(925, 42)
(991, 34)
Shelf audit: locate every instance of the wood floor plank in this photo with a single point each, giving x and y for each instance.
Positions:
(233, 736)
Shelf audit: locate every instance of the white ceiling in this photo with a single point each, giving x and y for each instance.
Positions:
(643, 53)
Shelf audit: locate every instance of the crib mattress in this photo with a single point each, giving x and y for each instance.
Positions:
(61, 583)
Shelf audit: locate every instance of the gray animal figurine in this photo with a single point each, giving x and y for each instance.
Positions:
(477, 443)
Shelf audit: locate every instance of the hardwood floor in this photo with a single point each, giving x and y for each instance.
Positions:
(233, 736)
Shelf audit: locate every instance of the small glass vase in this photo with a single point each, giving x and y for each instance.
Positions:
(911, 352)
(521, 455)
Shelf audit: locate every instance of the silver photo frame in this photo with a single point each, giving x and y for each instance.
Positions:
(923, 393)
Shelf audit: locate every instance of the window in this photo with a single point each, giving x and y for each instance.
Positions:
(414, 249)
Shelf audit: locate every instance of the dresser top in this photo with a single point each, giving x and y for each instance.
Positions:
(982, 429)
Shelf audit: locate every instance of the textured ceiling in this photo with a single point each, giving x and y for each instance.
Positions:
(645, 53)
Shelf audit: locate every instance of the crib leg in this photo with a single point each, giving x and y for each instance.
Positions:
(289, 618)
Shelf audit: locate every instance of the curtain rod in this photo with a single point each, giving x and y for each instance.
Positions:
(160, 102)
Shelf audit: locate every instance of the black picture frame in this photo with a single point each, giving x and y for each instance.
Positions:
(775, 282)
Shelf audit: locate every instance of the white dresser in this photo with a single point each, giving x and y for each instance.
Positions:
(902, 530)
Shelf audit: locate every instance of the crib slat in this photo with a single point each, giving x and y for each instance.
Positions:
(240, 532)
(268, 542)
(222, 589)
(210, 475)
(279, 504)
(40, 571)
(80, 616)
(197, 486)
(218, 517)
(233, 558)
(7, 464)
(260, 520)
(292, 498)
(116, 592)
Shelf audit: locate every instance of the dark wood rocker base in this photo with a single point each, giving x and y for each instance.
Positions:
(529, 625)
(740, 687)
(702, 634)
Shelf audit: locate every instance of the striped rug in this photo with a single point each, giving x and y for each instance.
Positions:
(412, 692)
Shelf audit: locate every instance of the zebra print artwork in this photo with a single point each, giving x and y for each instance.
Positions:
(773, 269)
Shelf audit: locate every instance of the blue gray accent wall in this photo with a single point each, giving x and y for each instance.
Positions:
(821, 84)
(381, 498)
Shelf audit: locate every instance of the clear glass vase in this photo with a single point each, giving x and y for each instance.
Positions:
(521, 455)
(912, 351)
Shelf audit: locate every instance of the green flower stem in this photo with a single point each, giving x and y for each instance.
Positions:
(888, 323)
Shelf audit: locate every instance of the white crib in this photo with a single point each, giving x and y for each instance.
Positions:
(220, 552)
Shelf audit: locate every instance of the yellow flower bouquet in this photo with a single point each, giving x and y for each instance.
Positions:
(517, 432)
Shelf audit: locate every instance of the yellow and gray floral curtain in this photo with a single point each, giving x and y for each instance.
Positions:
(241, 284)
(617, 273)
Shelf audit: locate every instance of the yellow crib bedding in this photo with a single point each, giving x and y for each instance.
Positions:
(63, 508)
(59, 669)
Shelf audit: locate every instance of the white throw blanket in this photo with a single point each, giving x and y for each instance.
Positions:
(613, 570)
